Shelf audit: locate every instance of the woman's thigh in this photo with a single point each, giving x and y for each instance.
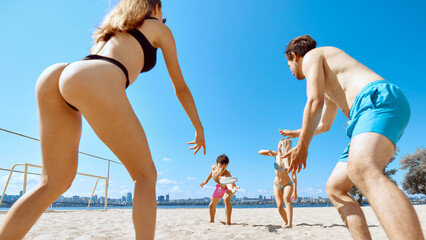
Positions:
(60, 127)
(104, 104)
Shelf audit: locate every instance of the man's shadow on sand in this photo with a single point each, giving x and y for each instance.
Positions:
(273, 228)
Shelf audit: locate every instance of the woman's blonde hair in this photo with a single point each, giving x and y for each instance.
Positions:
(284, 147)
(127, 15)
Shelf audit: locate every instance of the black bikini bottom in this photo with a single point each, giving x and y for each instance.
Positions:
(110, 60)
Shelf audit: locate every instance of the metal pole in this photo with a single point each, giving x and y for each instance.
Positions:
(92, 193)
(109, 165)
(25, 179)
(106, 186)
(7, 183)
(106, 195)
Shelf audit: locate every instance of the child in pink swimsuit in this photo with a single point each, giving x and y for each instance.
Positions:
(222, 191)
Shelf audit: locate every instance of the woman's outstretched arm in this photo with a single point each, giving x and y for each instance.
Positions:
(268, 153)
(168, 46)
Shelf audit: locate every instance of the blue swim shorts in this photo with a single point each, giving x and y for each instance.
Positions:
(379, 107)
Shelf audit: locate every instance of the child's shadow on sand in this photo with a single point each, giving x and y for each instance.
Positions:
(241, 224)
(271, 228)
(325, 226)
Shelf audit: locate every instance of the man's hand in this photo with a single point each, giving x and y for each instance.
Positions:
(290, 133)
(297, 157)
(202, 184)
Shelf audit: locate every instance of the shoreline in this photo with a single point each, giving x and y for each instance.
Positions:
(265, 206)
(193, 223)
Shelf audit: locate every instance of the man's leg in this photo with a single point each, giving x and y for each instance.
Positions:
(369, 153)
(338, 186)
(228, 206)
(212, 208)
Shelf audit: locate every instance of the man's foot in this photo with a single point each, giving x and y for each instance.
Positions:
(211, 221)
(228, 224)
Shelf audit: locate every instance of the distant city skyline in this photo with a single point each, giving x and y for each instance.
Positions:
(83, 201)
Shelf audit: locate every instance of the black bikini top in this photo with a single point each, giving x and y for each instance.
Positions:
(149, 52)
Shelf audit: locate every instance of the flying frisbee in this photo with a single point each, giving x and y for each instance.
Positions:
(228, 180)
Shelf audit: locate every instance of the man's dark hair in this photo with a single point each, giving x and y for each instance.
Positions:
(300, 46)
(222, 159)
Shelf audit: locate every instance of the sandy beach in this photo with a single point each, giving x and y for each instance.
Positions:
(259, 223)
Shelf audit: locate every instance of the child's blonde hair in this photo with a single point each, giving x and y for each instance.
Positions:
(283, 147)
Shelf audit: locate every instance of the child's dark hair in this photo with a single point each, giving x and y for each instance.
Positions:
(222, 159)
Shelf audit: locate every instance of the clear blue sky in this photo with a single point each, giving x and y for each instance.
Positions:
(232, 57)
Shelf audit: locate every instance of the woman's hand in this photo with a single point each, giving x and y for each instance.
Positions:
(270, 153)
(294, 196)
(199, 142)
(290, 133)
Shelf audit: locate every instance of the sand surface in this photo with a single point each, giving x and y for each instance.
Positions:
(260, 223)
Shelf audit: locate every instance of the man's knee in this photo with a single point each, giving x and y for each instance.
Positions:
(358, 172)
(333, 189)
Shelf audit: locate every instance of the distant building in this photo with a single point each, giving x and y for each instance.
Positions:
(129, 198)
(260, 197)
(161, 198)
(123, 199)
(76, 198)
(61, 199)
(167, 198)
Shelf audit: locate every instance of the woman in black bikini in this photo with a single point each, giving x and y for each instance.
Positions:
(284, 188)
(95, 87)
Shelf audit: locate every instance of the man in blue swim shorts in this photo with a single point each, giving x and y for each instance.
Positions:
(378, 113)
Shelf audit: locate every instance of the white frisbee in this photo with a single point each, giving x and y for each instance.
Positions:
(228, 180)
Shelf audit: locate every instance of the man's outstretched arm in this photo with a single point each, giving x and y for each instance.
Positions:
(329, 112)
(315, 81)
(328, 115)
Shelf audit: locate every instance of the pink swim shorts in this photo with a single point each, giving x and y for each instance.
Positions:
(220, 191)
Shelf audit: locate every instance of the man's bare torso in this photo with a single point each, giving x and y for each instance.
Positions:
(344, 76)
